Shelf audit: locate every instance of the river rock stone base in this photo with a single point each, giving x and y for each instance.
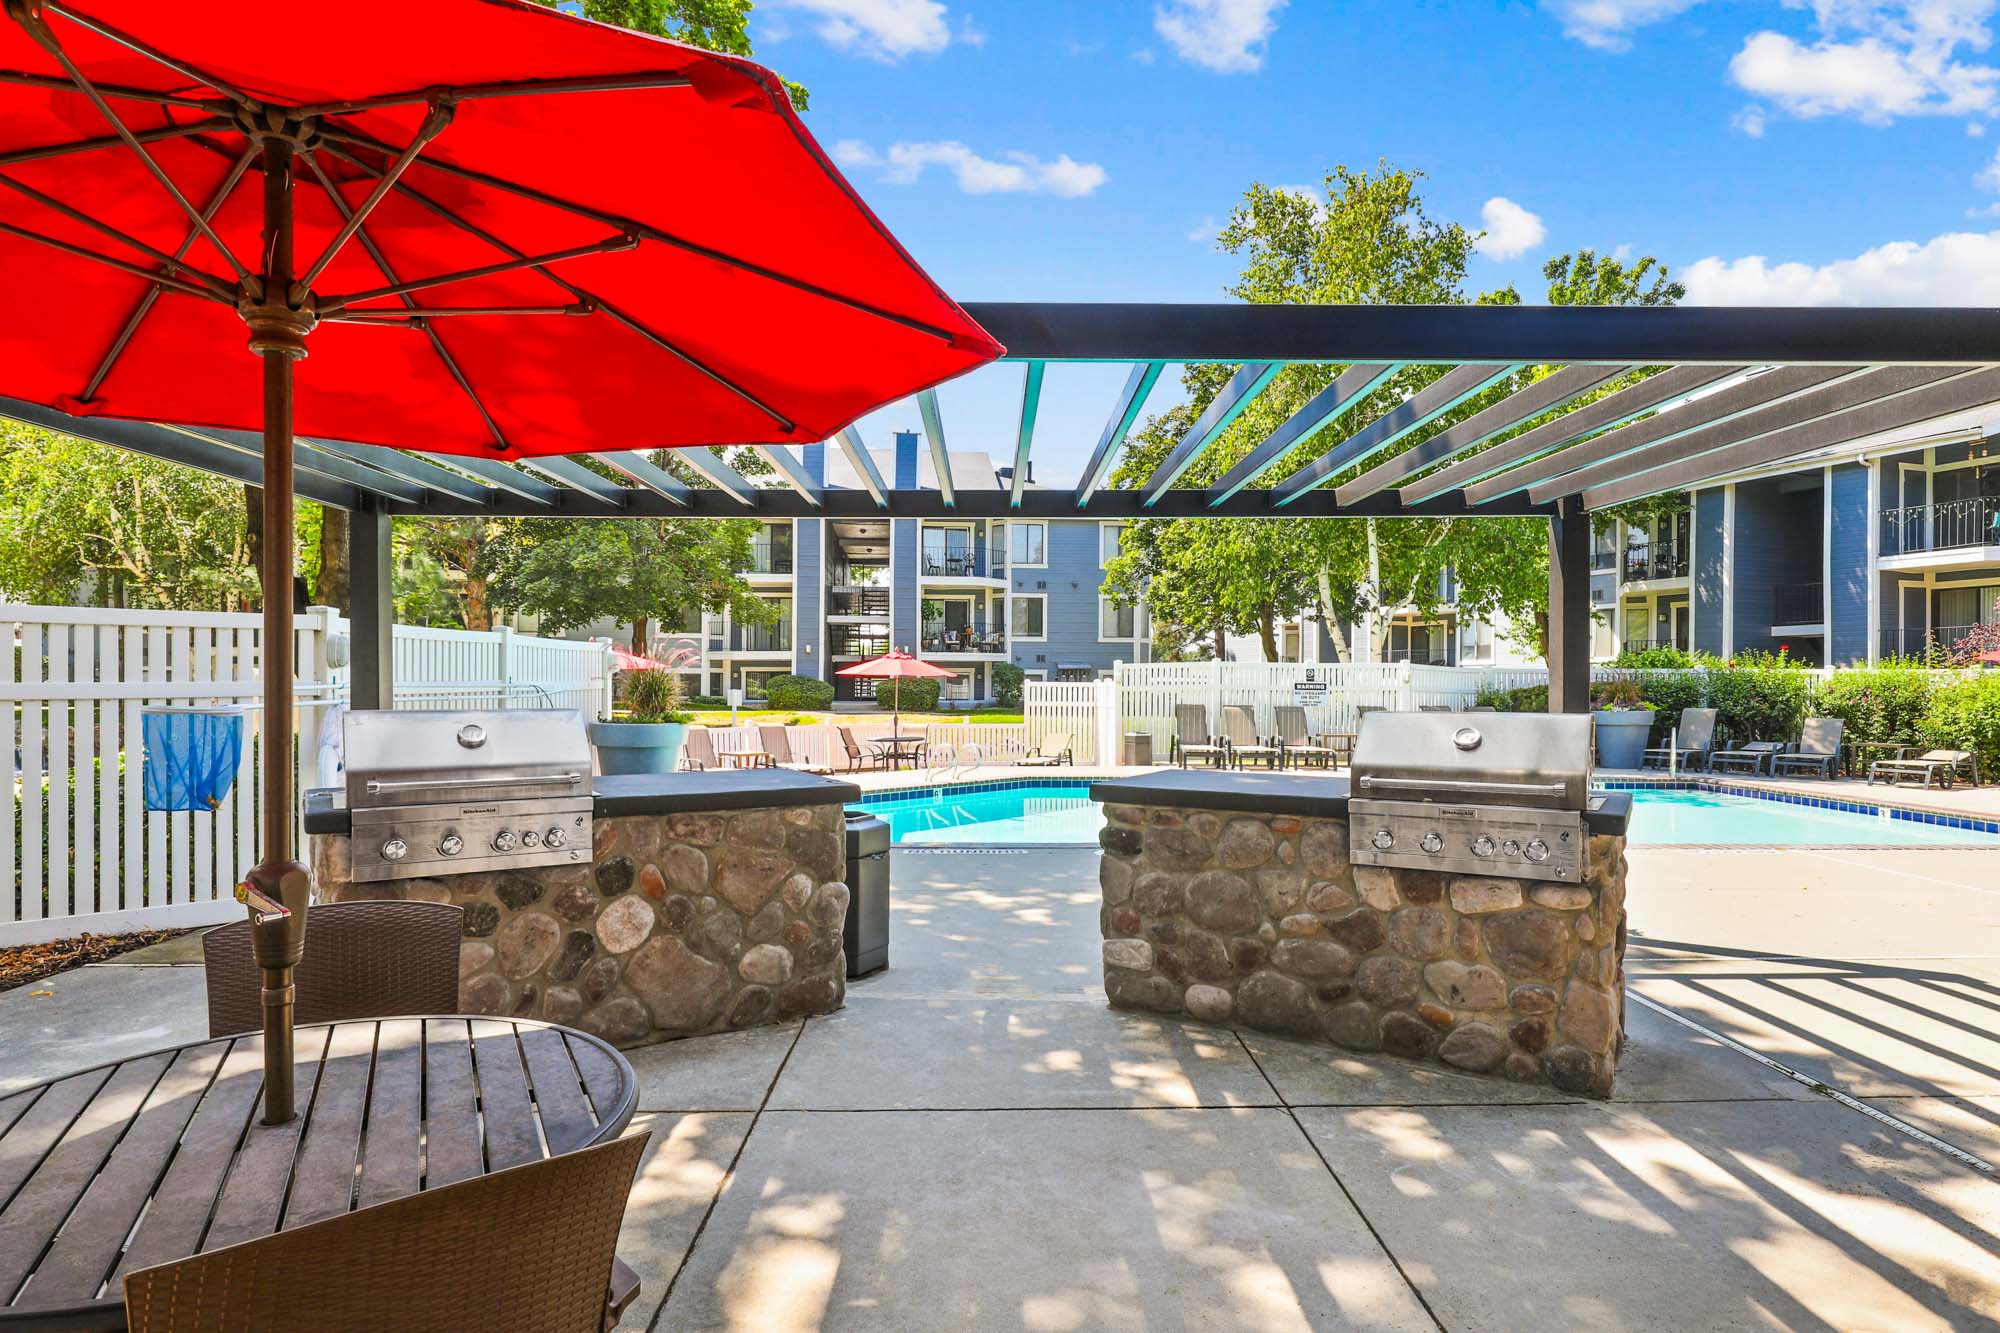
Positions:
(1260, 921)
(682, 925)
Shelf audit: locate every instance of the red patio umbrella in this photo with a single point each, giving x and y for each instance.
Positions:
(499, 230)
(896, 666)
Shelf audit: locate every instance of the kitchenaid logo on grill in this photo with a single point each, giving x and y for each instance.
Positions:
(1460, 811)
(479, 809)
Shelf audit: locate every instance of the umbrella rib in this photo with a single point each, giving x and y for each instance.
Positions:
(82, 252)
(474, 229)
(46, 151)
(154, 54)
(651, 233)
(472, 92)
(117, 90)
(145, 306)
(338, 304)
(434, 124)
(382, 263)
(175, 263)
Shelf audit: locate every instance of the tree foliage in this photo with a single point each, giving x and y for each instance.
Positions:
(713, 25)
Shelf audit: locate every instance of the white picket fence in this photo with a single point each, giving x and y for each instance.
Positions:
(1084, 710)
(79, 850)
(952, 745)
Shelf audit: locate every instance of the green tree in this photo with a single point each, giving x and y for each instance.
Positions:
(713, 25)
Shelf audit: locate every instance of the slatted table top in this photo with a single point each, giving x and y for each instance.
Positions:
(161, 1156)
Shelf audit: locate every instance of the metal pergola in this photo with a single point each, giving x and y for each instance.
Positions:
(1736, 389)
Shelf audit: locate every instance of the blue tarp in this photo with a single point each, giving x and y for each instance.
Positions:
(191, 756)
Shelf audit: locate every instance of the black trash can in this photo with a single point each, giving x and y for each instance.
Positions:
(866, 934)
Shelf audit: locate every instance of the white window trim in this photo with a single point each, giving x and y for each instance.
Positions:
(1034, 673)
(1014, 525)
(1103, 602)
(1101, 526)
(1017, 637)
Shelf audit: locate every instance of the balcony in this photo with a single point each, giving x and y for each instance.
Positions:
(860, 602)
(841, 642)
(1655, 560)
(1421, 655)
(1935, 644)
(1946, 526)
(769, 556)
(1798, 604)
(761, 639)
(974, 637)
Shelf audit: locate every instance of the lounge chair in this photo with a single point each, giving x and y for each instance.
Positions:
(857, 757)
(778, 744)
(1192, 738)
(1296, 741)
(1818, 749)
(1750, 758)
(1053, 748)
(1239, 733)
(1690, 745)
(367, 960)
(530, 1247)
(698, 754)
(1933, 766)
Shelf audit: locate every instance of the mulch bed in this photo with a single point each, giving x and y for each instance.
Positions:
(23, 963)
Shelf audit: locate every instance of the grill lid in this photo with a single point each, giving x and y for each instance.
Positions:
(1536, 760)
(420, 757)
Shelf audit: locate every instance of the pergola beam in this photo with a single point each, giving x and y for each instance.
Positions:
(1336, 400)
(1024, 438)
(1138, 386)
(418, 471)
(577, 477)
(509, 479)
(726, 478)
(1448, 391)
(1223, 409)
(863, 463)
(643, 470)
(789, 470)
(927, 407)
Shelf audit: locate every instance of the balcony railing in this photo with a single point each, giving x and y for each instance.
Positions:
(1656, 560)
(857, 645)
(1936, 642)
(1648, 645)
(1941, 527)
(1439, 655)
(1798, 604)
(949, 563)
(861, 602)
(770, 557)
(973, 638)
(759, 639)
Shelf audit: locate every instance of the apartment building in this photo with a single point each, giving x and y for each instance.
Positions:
(968, 594)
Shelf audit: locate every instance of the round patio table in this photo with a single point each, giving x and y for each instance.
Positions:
(903, 747)
(171, 1142)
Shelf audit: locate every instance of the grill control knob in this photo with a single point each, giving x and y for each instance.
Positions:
(450, 845)
(1482, 846)
(1538, 851)
(1433, 843)
(530, 838)
(505, 841)
(395, 849)
(1511, 847)
(555, 838)
(1384, 839)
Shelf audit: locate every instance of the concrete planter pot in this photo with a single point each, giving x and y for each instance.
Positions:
(638, 747)
(1621, 736)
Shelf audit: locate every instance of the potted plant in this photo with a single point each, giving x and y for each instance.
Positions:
(649, 738)
(1624, 722)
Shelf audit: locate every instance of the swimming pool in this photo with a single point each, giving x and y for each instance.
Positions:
(1022, 814)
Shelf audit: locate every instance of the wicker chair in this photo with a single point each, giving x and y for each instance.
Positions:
(363, 960)
(530, 1247)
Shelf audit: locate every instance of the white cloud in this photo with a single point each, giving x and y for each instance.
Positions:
(1989, 175)
(1013, 172)
(1510, 230)
(1608, 24)
(885, 30)
(1227, 36)
(1750, 120)
(1206, 232)
(1143, 56)
(1956, 269)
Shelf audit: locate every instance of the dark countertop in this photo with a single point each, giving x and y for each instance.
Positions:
(654, 794)
(1307, 795)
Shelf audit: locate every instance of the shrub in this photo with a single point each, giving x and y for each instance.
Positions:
(708, 701)
(1662, 658)
(798, 692)
(655, 696)
(1526, 699)
(1669, 692)
(1885, 704)
(918, 694)
(1760, 697)
(1621, 695)
(1007, 682)
(1965, 715)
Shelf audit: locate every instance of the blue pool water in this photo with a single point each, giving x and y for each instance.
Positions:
(1062, 812)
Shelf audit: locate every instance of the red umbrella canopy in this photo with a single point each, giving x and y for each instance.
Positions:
(896, 664)
(699, 270)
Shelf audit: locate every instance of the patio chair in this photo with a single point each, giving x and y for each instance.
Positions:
(1239, 733)
(1818, 749)
(1750, 758)
(1933, 766)
(1295, 740)
(1696, 737)
(778, 744)
(364, 960)
(858, 757)
(1053, 748)
(698, 754)
(1193, 738)
(544, 1237)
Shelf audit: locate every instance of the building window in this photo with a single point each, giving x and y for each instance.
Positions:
(775, 637)
(948, 552)
(959, 688)
(1475, 641)
(1115, 621)
(1604, 547)
(754, 680)
(1028, 617)
(1027, 544)
(1110, 540)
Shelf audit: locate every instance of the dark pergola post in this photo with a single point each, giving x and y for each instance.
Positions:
(1569, 609)
(373, 622)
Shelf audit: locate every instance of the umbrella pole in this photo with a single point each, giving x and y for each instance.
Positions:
(279, 886)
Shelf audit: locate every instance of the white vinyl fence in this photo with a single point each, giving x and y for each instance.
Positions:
(953, 745)
(1086, 711)
(78, 849)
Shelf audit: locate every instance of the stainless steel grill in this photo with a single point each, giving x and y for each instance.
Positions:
(1472, 793)
(445, 793)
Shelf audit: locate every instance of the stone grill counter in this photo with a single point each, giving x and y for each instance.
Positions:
(713, 901)
(1229, 897)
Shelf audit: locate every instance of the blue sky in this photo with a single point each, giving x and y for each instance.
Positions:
(1821, 152)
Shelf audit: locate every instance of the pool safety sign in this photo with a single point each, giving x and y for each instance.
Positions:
(1311, 690)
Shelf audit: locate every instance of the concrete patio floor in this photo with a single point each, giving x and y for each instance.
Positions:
(976, 1141)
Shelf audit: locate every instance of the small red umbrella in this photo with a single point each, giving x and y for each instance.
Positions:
(896, 666)
(500, 231)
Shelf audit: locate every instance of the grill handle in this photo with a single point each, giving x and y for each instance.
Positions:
(376, 786)
(1468, 785)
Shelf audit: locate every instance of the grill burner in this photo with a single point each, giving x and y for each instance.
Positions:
(450, 792)
(1472, 793)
